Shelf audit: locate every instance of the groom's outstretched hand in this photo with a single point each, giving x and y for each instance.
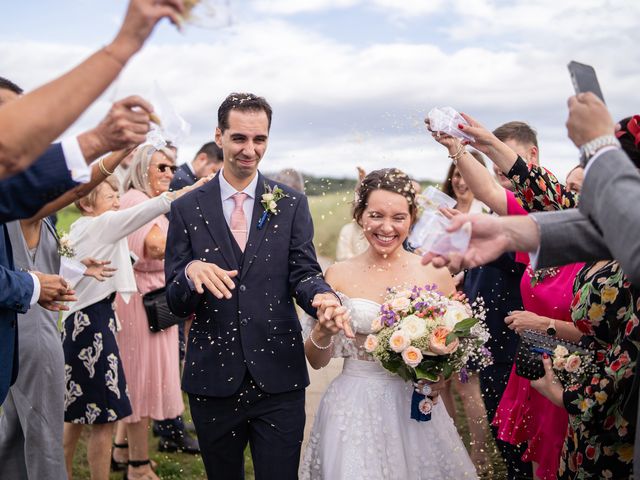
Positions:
(332, 316)
(212, 277)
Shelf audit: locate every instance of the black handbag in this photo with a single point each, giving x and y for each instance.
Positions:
(531, 347)
(158, 313)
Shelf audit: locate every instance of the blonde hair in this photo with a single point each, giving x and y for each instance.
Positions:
(90, 198)
(138, 176)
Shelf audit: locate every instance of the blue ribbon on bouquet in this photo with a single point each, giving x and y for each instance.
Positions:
(263, 219)
(416, 412)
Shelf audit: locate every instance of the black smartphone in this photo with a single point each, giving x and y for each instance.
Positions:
(584, 78)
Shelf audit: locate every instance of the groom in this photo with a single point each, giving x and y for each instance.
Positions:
(237, 265)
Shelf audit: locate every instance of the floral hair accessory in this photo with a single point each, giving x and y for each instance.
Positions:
(633, 129)
(269, 201)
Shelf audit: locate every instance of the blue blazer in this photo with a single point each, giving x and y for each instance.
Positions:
(21, 196)
(183, 178)
(257, 329)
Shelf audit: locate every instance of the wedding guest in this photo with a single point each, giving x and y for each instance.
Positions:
(32, 122)
(95, 384)
(291, 178)
(575, 178)
(207, 161)
(363, 422)
(602, 407)
(523, 414)
(150, 360)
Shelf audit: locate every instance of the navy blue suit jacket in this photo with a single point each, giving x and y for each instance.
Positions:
(183, 178)
(21, 196)
(258, 328)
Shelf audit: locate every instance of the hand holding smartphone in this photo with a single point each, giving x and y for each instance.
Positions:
(584, 79)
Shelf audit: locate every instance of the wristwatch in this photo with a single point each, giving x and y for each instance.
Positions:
(551, 328)
(590, 148)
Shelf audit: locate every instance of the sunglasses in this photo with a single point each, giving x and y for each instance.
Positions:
(163, 166)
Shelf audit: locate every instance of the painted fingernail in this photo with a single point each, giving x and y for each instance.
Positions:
(545, 355)
(461, 126)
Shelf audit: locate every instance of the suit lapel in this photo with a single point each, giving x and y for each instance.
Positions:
(255, 235)
(210, 203)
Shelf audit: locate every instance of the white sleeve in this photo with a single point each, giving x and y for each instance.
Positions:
(36, 289)
(80, 171)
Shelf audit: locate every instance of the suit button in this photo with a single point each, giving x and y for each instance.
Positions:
(244, 322)
(243, 288)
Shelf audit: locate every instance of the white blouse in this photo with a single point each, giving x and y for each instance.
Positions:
(105, 238)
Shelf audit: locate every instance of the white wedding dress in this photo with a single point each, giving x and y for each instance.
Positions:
(363, 429)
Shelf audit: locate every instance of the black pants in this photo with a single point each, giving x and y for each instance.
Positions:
(272, 425)
(493, 381)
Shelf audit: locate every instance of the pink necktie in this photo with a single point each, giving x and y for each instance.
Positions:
(239, 221)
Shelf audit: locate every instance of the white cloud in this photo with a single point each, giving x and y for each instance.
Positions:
(337, 105)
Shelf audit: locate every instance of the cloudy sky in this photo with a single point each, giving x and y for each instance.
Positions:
(350, 81)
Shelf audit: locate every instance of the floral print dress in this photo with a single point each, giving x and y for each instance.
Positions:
(602, 410)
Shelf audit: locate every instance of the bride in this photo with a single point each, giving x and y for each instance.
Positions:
(363, 428)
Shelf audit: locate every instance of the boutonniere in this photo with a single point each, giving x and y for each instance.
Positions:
(65, 247)
(269, 201)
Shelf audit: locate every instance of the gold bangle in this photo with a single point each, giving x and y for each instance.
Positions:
(456, 156)
(103, 169)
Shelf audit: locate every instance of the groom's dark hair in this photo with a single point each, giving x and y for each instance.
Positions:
(244, 102)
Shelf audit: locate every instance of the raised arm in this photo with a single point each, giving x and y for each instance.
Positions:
(29, 124)
(476, 176)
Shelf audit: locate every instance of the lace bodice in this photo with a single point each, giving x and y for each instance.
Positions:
(363, 312)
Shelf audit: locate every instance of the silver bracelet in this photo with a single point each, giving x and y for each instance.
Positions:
(318, 346)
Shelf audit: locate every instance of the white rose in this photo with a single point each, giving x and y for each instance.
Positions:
(414, 326)
(399, 341)
(376, 325)
(400, 304)
(456, 312)
(267, 197)
(559, 362)
(371, 343)
(272, 205)
(560, 351)
(405, 293)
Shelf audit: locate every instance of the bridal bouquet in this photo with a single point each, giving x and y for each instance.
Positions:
(422, 334)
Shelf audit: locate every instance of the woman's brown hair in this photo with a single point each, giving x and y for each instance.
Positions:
(389, 179)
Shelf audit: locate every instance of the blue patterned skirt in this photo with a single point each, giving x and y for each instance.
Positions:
(95, 386)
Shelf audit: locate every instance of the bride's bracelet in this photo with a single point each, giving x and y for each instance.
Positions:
(319, 347)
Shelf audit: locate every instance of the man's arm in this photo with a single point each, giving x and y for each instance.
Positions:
(29, 124)
(305, 275)
(610, 199)
(181, 298)
(22, 195)
(567, 237)
(16, 291)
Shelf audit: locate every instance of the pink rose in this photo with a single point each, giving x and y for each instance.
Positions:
(412, 356)
(438, 340)
(573, 363)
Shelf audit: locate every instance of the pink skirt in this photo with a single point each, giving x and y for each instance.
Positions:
(524, 415)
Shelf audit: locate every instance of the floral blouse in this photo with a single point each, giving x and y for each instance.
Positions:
(602, 410)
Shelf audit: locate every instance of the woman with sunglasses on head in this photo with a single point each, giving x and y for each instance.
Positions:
(95, 385)
(151, 360)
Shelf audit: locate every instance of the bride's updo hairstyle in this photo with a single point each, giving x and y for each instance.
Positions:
(391, 180)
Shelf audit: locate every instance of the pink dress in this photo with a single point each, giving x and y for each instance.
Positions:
(523, 414)
(151, 360)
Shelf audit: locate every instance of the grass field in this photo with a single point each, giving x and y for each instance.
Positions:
(330, 212)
